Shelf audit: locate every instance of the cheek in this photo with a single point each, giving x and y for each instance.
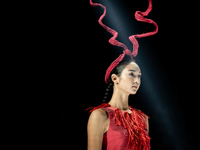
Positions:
(139, 81)
(126, 82)
(126, 79)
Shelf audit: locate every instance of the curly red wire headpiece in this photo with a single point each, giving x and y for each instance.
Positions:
(139, 16)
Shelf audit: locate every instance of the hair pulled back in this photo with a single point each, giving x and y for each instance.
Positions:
(117, 70)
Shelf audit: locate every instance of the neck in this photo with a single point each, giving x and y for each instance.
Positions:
(119, 100)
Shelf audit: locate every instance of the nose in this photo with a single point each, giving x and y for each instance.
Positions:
(137, 81)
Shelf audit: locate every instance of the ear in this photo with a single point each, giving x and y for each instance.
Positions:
(115, 78)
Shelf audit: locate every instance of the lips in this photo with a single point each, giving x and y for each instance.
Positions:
(135, 87)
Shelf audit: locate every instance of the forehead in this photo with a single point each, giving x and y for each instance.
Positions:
(133, 66)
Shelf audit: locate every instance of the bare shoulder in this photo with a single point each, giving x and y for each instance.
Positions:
(98, 121)
(147, 122)
(98, 115)
(96, 128)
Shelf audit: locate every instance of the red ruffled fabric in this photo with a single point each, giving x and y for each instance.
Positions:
(135, 124)
(100, 106)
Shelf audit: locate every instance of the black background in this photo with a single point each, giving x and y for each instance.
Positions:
(75, 55)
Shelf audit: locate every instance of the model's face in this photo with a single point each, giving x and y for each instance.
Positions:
(130, 79)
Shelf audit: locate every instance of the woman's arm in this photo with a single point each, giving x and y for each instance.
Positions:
(96, 128)
(147, 122)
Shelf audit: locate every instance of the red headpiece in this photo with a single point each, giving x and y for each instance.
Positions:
(138, 16)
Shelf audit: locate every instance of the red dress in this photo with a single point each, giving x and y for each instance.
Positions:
(127, 129)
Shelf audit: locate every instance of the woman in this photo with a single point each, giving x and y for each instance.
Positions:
(116, 125)
(105, 129)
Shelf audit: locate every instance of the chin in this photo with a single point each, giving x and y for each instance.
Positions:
(133, 92)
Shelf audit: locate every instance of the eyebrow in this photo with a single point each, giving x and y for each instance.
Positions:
(134, 71)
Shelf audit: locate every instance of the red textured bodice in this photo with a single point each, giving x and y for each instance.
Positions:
(127, 129)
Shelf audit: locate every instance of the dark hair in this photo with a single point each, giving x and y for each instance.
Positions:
(117, 70)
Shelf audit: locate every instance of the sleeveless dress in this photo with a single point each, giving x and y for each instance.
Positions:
(127, 129)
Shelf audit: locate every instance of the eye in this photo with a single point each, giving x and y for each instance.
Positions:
(139, 76)
(132, 74)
